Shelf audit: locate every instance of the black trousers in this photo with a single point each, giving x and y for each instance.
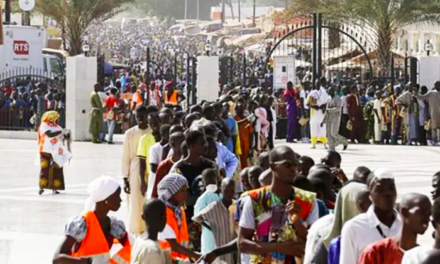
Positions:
(270, 142)
(422, 136)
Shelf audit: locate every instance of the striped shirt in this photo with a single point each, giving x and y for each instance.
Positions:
(218, 217)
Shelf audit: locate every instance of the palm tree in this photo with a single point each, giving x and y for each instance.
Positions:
(75, 16)
(384, 17)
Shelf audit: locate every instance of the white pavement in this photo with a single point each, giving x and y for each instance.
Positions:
(31, 226)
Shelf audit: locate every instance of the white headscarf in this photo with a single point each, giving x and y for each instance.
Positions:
(99, 190)
(383, 173)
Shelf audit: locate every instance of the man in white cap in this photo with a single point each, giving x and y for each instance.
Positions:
(379, 222)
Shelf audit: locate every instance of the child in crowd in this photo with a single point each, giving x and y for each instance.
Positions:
(146, 248)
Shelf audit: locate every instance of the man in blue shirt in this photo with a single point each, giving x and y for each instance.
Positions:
(230, 122)
(225, 159)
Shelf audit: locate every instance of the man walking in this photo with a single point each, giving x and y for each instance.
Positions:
(355, 114)
(317, 101)
(433, 99)
(111, 105)
(332, 120)
(97, 118)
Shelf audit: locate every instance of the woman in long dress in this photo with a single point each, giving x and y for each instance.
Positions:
(51, 175)
(290, 96)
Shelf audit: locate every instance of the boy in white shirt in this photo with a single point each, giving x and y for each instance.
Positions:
(146, 248)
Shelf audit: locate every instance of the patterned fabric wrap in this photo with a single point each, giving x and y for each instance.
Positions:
(170, 185)
(264, 204)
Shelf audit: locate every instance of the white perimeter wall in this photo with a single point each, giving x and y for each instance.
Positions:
(429, 71)
(207, 78)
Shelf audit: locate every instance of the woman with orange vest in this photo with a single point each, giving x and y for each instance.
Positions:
(89, 238)
(173, 189)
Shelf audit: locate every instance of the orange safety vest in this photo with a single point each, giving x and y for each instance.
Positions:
(182, 236)
(173, 99)
(95, 245)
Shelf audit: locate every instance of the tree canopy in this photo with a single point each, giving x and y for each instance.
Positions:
(75, 16)
(384, 17)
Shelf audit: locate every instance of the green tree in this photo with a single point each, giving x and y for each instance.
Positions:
(75, 16)
(384, 17)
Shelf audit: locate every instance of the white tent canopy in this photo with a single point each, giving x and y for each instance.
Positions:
(344, 65)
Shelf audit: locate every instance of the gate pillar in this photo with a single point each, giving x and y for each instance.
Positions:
(81, 76)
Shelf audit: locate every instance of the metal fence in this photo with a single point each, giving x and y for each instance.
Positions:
(22, 100)
(23, 118)
(21, 76)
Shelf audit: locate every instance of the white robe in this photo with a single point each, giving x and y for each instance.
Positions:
(274, 124)
(130, 169)
(317, 116)
(377, 122)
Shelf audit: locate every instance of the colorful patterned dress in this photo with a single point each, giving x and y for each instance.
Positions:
(51, 175)
(272, 223)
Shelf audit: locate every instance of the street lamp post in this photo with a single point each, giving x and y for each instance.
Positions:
(7, 12)
(186, 9)
(223, 11)
(86, 49)
(208, 48)
(254, 12)
(239, 10)
(1, 24)
(198, 10)
(428, 47)
(176, 53)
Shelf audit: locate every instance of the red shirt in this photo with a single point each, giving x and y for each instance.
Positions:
(111, 103)
(7, 91)
(162, 170)
(385, 251)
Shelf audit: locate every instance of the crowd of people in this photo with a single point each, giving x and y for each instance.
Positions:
(207, 183)
(24, 101)
(338, 114)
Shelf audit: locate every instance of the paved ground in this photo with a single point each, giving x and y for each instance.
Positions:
(31, 226)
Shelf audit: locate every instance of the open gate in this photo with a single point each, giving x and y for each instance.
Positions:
(338, 52)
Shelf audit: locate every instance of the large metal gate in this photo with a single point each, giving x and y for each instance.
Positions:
(341, 53)
(182, 68)
(23, 91)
